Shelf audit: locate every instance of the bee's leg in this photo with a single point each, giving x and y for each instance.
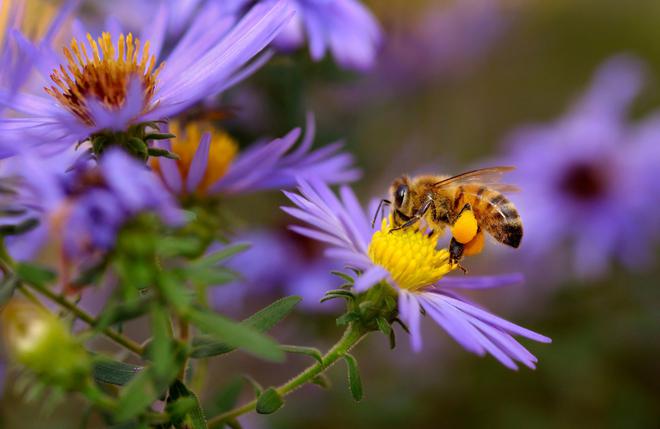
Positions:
(416, 217)
(456, 253)
(381, 206)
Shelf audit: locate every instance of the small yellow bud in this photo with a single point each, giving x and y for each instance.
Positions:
(465, 227)
(40, 341)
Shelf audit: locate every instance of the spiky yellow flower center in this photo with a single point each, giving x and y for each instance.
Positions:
(410, 256)
(222, 151)
(104, 76)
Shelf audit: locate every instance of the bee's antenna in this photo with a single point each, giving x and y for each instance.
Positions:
(381, 206)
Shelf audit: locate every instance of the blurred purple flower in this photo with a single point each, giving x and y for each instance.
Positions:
(344, 27)
(211, 56)
(279, 263)
(588, 178)
(208, 164)
(346, 228)
(87, 206)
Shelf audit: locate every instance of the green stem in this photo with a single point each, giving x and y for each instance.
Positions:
(87, 318)
(351, 337)
(9, 264)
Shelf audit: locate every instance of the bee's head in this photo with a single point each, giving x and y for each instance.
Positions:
(401, 201)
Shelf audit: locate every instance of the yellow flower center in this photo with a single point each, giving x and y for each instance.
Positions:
(410, 256)
(105, 76)
(222, 151)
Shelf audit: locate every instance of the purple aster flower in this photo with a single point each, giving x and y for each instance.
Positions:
(408, 260)
(588, 177)
(116, 83)
(86, 207)
(279, 263)
(209, 162)
(346, 28)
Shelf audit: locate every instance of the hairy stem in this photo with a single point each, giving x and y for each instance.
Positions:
(89, 319)
(351, 337)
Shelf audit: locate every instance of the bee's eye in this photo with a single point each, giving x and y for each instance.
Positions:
(400, 195)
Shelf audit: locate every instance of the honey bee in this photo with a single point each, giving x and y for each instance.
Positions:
(443, 201)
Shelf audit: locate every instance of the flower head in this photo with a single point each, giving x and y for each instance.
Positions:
(397, 258)
(87, 206)
(37, 339)
(118, 84)
(209, 164)
(592, 188)
(346, 28)
(410, 256)
(103, 75)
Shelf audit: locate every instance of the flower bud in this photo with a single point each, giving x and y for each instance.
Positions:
(41, 342)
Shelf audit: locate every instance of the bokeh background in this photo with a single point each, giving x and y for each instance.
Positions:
(454, 80)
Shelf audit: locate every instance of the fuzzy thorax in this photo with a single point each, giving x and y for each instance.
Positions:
(103, 76)
(410, 256)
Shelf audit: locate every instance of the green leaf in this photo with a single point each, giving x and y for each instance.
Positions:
(175, 292)
(136, 396)
(34, 274)
(161, 349)
(227, 398)
(261, 321)
(354, 381)
(7, 288)
(269, 401)
(120, 312)
(187, 413)
(225, 253)
(309, 351)
(113, 372)
(239, 335)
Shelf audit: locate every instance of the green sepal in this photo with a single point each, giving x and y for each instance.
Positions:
(343, 276)
(269, 401)
(256, 386)
(164, 153)
(19, 228)
(159, 136)
(354, 381)
(384, 326)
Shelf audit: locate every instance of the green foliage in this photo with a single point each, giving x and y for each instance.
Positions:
(354, 381)
(309, 351)
(106, 370)
(269, 401)
(34, 274)
(261, 321)
(236, 334)
(184, 408)
(7, 287)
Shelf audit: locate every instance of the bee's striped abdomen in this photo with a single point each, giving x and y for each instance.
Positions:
(494, 212)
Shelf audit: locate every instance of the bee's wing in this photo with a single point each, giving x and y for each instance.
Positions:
(489, 177)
